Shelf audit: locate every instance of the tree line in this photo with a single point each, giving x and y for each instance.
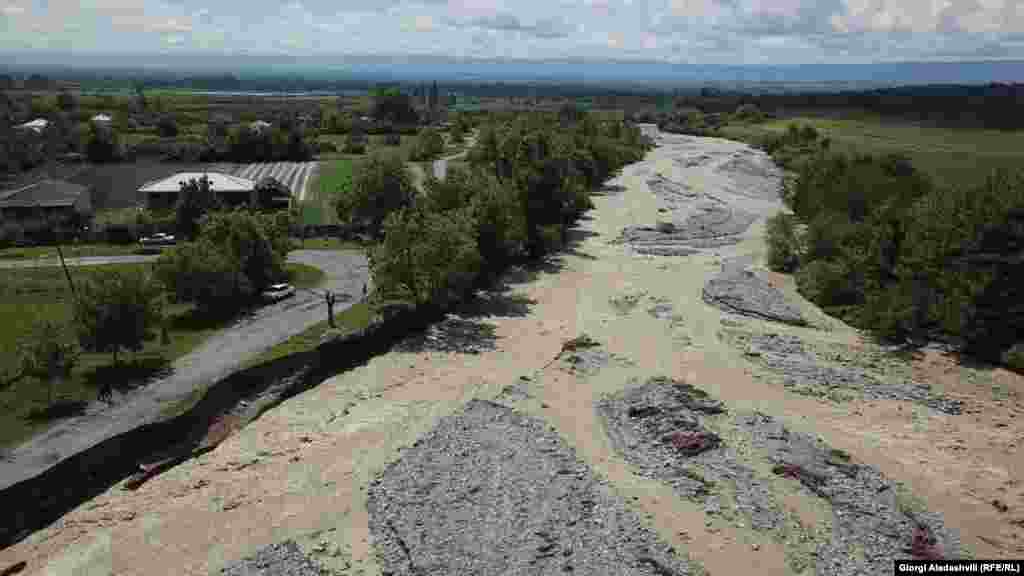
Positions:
(874, 240)
(528, 179)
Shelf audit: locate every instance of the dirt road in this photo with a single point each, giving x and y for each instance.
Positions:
(796, 448)
(346, 273)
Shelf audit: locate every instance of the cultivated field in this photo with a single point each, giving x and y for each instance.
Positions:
(294, 175)
(951, 156)
(318, 203)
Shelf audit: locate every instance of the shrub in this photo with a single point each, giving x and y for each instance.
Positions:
(1014, 357)
(782, 243)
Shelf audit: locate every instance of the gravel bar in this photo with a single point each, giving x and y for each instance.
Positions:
(281, 559)
(492, 491)
(743, 292)
(738, 466)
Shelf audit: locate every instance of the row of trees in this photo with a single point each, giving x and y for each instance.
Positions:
(529, 179)
(876, 241)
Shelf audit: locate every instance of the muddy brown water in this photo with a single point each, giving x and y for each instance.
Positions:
(302, 470)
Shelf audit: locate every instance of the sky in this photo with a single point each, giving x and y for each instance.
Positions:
(684, 31)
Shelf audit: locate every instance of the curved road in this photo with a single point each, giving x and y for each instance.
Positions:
(346, 273)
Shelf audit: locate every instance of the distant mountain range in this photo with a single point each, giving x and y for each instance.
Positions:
(418, 68)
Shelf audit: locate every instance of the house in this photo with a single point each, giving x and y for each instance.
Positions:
(259, 126)
(37, 125)
(101, 119)
(231, 190)
(46, 198)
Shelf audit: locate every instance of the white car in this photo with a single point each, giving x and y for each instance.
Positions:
(158, 239)
(277, 292)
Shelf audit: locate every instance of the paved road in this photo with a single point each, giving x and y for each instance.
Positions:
(347, 273)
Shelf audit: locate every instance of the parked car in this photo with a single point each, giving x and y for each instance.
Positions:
(158, 239)
(278, 292)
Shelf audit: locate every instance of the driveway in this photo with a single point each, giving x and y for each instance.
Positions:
(346, 273)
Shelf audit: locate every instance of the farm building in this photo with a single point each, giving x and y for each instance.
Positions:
(231, 190)
(46, 198)
(37, 125)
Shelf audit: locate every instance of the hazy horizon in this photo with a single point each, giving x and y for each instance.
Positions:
(716, 32)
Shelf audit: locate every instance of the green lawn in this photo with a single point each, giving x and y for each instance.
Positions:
(70, 251)
(950, 155)
(29, 295)
(318, 207)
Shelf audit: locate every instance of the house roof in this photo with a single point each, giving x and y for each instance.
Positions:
(43, 193)
(101, 118)
(37, 124)
(218, 181)
(260, 124)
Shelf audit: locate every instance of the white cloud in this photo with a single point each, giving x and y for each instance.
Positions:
(12, 10)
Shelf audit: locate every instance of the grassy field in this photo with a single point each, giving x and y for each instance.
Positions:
(70, 251)
(42, 293)
(318, 208)
(951, 156)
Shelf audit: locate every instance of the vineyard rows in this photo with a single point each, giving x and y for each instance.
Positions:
(297, 176)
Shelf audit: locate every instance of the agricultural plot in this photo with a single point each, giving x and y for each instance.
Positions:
(295, 175)
(955, 156)
(318, 203)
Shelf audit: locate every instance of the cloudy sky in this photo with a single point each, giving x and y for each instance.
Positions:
(696, 31)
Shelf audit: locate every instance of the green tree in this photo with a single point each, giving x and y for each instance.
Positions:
(200, 273)
(118, 310)
(195, 199)
(380, 185)
(782, 243)
(235, 257)
(102, 144)
(429, 144)
(392, 105)
(167, 126)
(66, 101)
(748, 113)
(48, 354)
(427, 257)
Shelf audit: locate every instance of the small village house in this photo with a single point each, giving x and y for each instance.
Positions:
(46, 200)
(231, 190)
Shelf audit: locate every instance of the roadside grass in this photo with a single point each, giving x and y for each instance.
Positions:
(329, 243)
(952, 156)
(29, 295)
(318, 208)
(304, 275)
(353, 318)
(70, 251)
